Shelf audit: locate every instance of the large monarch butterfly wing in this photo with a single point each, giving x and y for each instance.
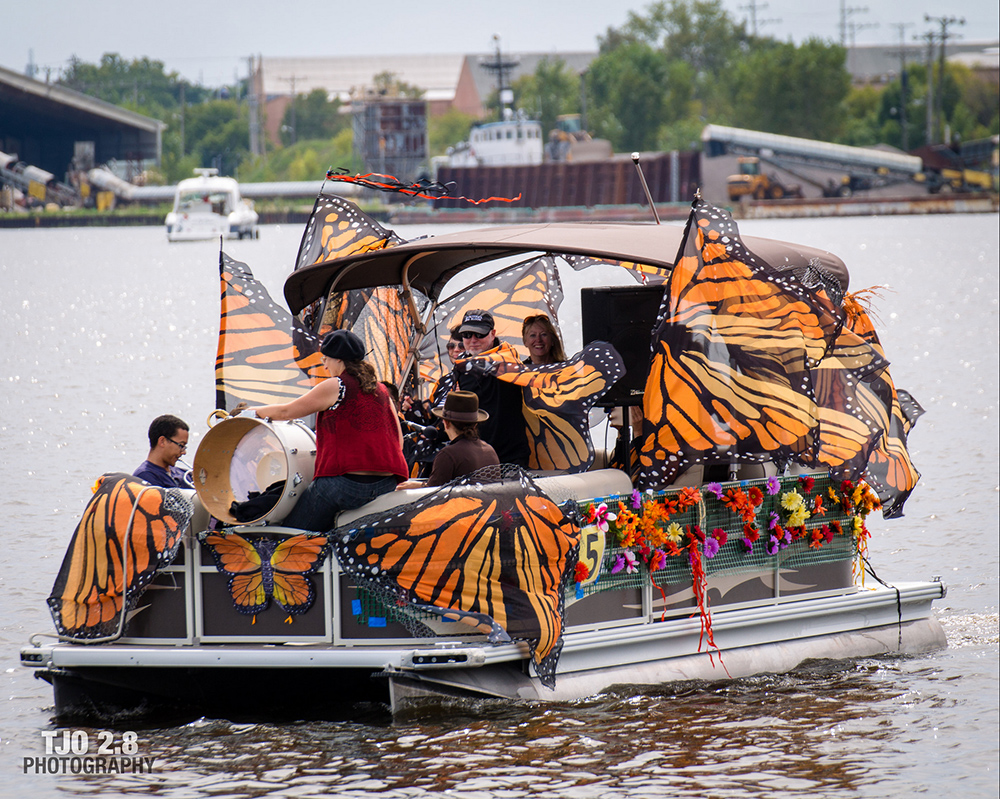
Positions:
(265, 355)
(244, 564)
(749, 364)
(890, 472)
(496, 555)
(294, 558)
(338, 228)
(512, 294)
(109, 562)
(557, 401)
(642, 273)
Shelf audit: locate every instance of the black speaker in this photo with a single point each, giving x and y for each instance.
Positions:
(624, 317)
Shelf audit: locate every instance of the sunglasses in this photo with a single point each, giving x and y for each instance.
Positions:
(475, 335)
(455, 346)
(177, 443)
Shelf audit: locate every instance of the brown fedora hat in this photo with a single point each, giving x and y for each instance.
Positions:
(461, 406)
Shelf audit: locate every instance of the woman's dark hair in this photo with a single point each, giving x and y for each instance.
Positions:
(469, 430)
(363, 372)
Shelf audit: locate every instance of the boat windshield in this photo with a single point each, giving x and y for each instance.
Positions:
(207, 202)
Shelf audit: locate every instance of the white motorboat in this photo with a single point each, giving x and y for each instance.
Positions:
(544, 586)
(210, 207)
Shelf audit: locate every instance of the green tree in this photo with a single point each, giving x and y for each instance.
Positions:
(312, 116)
(447, 129)
(796, 91)
(627, 88)
(551, 90)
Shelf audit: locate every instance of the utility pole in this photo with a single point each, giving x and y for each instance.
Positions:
(254, 108)
(904, 87)
(845, 26)
(753, 6)
(292, 80)
(929, 100)
(944, 22)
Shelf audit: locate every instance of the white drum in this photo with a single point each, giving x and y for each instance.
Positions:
(243, 455)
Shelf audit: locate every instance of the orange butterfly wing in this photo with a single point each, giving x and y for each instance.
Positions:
(108, 564)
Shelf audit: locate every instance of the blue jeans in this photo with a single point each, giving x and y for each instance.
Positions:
(318, 507)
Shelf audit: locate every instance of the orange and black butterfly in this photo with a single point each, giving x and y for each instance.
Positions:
(749, 364)
(265, 355)
(379, 316)
(495, 555)
(260, 568)
(557, 400)
(890, 471)
(338, 228)
(109, 561)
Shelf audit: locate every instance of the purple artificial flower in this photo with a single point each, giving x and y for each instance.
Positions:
(773, 485)
(747, 545)
(619, 564)
(771, 547)
(714, 488)
(711, 547)
(772, 520)
(636, 499)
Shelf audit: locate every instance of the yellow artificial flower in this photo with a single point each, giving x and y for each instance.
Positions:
(798, 516)
(791, 500)
(675, 533)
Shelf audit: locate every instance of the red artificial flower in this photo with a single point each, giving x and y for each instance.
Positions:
(807, 484)
(751, 532)
(755, 494)
(720, 535)
(582, 572)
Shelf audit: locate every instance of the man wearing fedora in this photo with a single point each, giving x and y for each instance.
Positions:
(504, 428)
(465, 451)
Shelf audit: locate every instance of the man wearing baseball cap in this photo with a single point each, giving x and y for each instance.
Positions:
(504, 430)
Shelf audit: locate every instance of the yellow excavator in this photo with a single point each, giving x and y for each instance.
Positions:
(568, 141)
(751, 182)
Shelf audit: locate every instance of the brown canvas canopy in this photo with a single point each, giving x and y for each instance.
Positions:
(427, 264)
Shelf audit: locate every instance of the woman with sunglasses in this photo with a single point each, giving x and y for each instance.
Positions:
(359, 443)
(541, 339)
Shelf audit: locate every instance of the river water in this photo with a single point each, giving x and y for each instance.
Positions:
(103, 329)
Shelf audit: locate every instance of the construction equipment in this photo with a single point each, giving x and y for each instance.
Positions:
(568, 141)
(853, 169)
(751, 182)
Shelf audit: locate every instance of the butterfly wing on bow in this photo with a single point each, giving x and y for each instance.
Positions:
(497, 557)
(750, 364)
(261, 568)
(109, 563)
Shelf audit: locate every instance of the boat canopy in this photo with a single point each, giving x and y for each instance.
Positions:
(427, 264)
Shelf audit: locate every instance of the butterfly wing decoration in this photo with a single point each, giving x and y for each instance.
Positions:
(338, 228)
(379, 316)
(643, 273)
(109, 563)
(749, 364)
(557, 400)
(890, 471)
(262, 568)
(489, 549)
(511, 295)
(265, 355)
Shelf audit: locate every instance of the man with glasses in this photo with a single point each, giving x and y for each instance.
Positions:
(505, 428)
(168, 439)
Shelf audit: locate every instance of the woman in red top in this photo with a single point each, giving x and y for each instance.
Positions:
(359, 444)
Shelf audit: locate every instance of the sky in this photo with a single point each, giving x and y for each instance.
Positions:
(209, 42)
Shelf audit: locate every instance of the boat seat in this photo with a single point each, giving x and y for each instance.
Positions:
(559, 487)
